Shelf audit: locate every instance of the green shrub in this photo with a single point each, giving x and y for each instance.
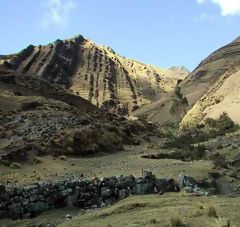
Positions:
(211, 128)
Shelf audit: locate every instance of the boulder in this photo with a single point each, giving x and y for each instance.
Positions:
(191, 185)
(106, 192)
(145, 187)
(166, 185)
(187, 181)
(223, 186)
(125, 182)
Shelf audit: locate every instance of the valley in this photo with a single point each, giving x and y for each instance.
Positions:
(75, 112)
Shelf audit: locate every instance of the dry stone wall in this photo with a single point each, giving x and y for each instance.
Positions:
(29, 201)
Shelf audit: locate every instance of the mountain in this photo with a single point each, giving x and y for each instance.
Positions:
(95, 73)
(211, 89)
(38, 118)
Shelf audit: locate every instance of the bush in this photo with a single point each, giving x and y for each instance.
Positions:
(211, 128)
(168, 130)
(31, 105)
(219, 127)
(219, 161)
(199, 152)
(86, 141)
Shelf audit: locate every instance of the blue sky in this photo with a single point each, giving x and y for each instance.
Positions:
(159, 32)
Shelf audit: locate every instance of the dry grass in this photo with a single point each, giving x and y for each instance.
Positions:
(140, 210)
(223, 223)
(211, 211)
(176, 220)
(153, 221)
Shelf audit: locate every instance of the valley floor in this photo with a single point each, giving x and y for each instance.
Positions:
(152, 210)
(127, 162)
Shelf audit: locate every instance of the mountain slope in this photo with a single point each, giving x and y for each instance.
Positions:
(96, 73)
(214, 87)
(210, 70)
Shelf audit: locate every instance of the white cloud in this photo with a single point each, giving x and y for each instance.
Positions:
(57, 13)
(228, 7)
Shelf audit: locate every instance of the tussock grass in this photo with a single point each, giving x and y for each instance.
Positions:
(211, 211)
(176, 220)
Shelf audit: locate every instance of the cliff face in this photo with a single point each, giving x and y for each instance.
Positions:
(96, 73)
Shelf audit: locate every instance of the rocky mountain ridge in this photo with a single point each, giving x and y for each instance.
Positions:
(96, 73)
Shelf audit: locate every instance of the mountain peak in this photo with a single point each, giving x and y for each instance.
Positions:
(97, 73)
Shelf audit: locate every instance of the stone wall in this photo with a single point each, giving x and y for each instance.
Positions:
(29, 201)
